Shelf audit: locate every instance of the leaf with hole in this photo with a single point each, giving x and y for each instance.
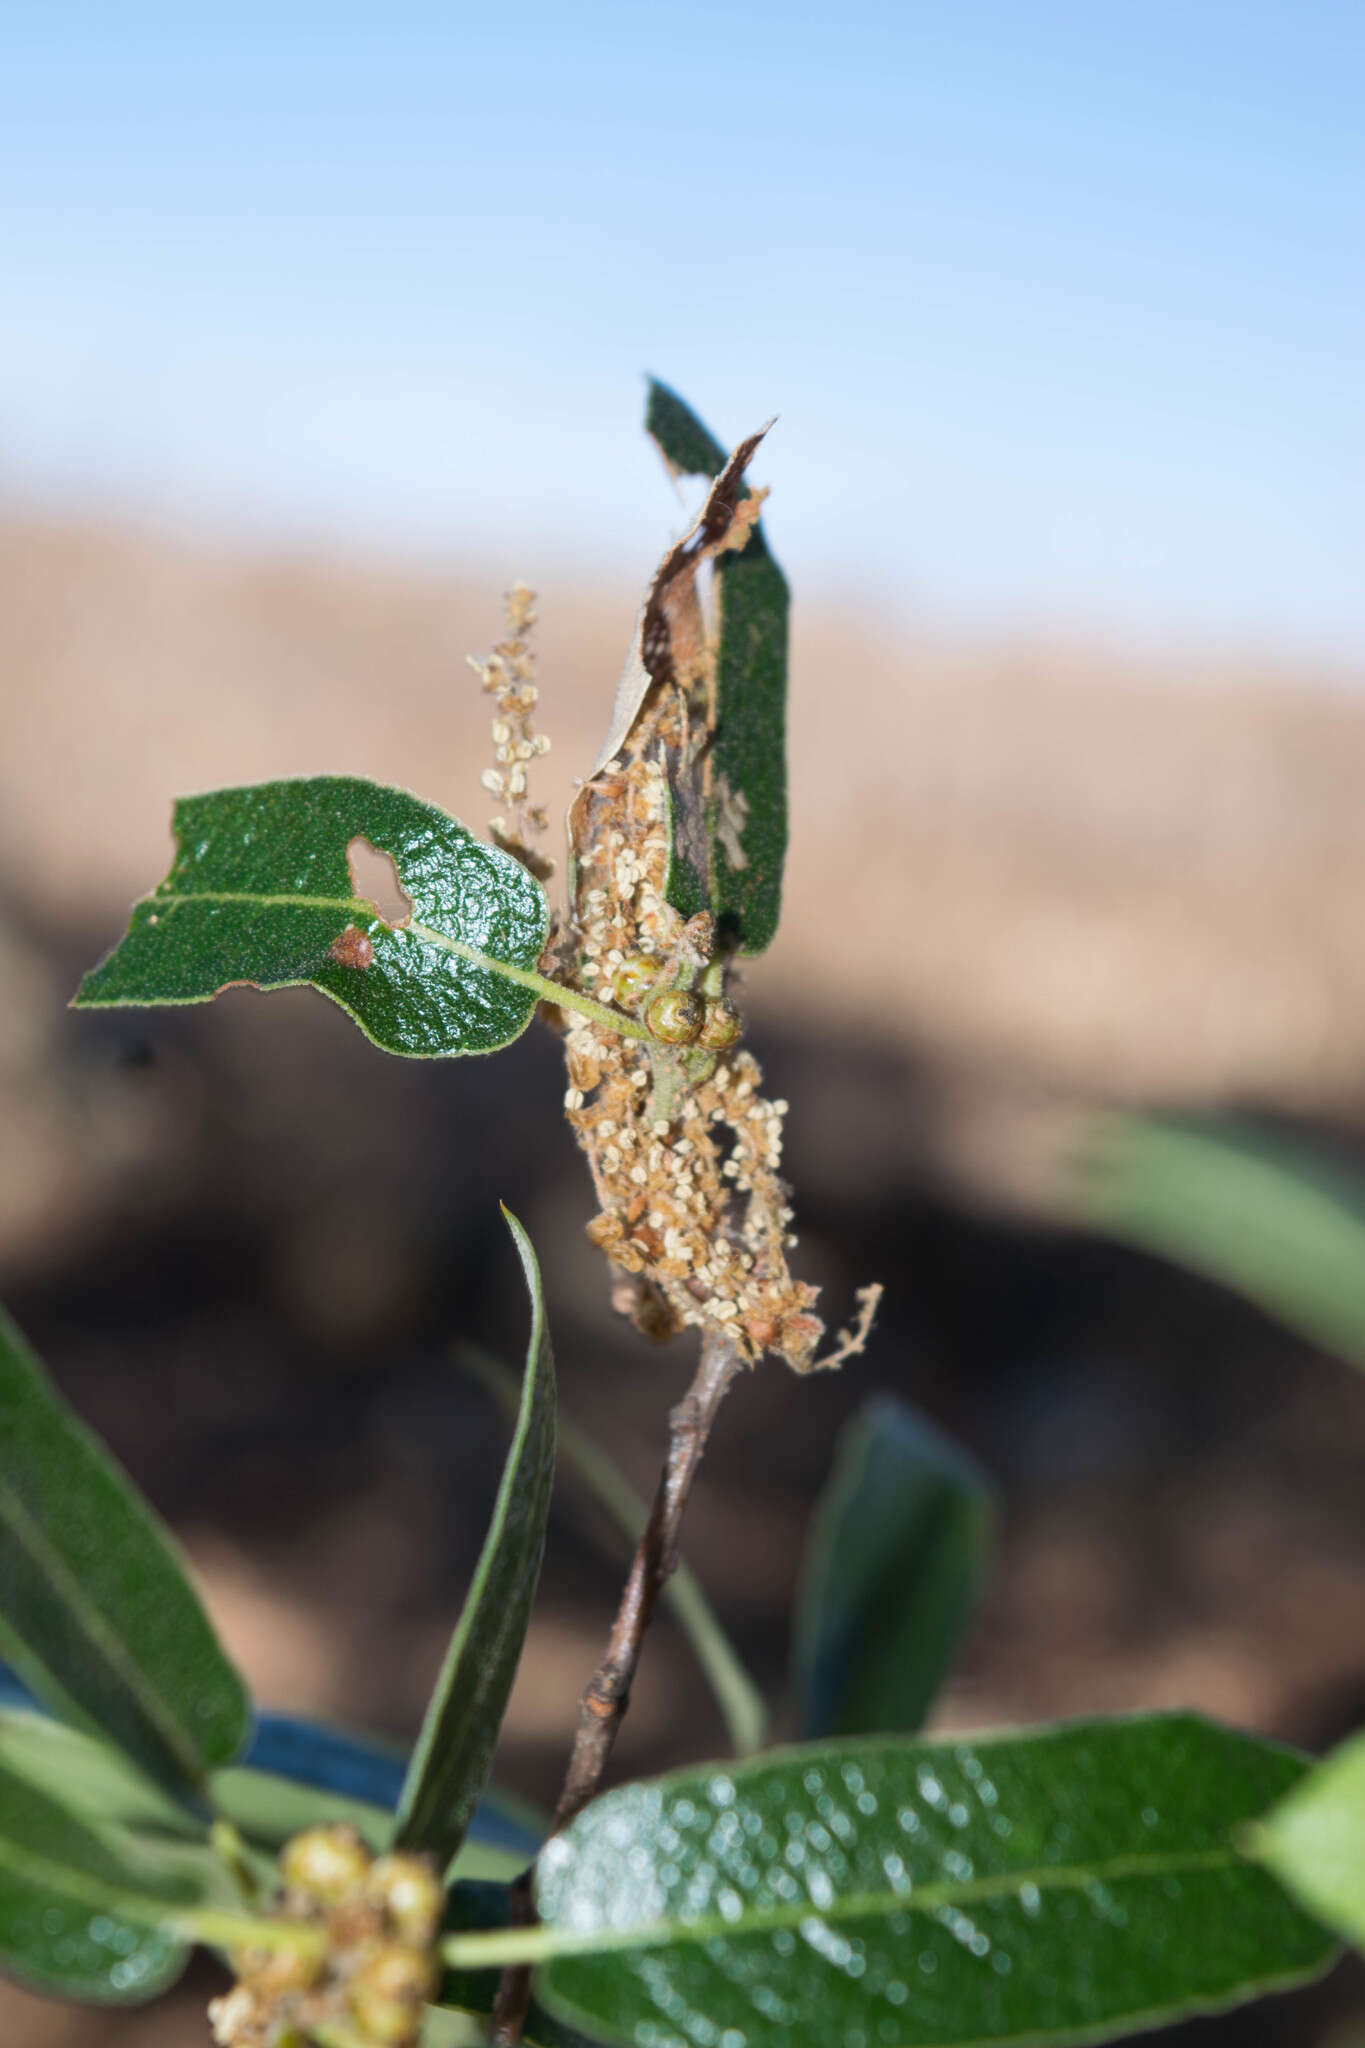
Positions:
(98, 1614)
(261, 891)
(747, 766)
(453, 1753)
(1314, 1841)
(90, 1912)
(1067, 1884)
(898, 1550)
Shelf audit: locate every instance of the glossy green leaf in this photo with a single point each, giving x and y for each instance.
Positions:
(1068, 1884)
(261, 891)
(739, 1700)
(898, 1550)
(1314, 1841)
(98, 1614)
(89, 1912)
(455, 1748)
(747, 823)
(1273, 1221)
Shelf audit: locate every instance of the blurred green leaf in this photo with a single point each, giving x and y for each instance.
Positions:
(1068, 1884)
(747, 804)
(93, 1781)
(1267, 1219)
(739, 1700)
(450, 1763)
(261, 891)
(88, 1913)
(897, 1552)
(1314, 1841)
(99, 1616)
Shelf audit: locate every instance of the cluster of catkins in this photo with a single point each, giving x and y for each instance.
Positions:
(367, 1978)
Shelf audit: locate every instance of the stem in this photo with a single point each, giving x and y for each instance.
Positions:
(244, 1930)
(740, 1702)
(607, 1695)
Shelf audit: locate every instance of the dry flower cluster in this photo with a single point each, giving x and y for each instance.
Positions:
(683, 1146)
(364, 1979)
(508, 676)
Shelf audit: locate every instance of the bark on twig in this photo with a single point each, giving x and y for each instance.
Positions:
(607, 1696)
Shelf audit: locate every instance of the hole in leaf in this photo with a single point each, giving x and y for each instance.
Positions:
(374, 876)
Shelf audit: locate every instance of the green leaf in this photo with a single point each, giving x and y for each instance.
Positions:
(94, 1782)
(87, 1913)
(1314, 1841)
(1067, 1884)
(747, 813)
(897, 1553)
(739, 1700)
(1268, 1219)
(261, 891)
(99, 1615)
(268, 1809)
(450, 1764)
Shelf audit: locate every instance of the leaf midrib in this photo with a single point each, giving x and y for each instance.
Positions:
(351, 905)
(103, 1639)
(543, 1943)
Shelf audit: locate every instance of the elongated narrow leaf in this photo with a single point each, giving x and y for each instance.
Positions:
(1314, 1841)
(450, 1763)
(1270, 1220)
(747, 808)
(84, 1912)
(1069, 1884)
(261, 891)
(738, 1698)
(97, 1610)
(897, 1553)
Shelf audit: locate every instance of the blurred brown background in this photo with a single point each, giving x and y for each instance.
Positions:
(1024, 875)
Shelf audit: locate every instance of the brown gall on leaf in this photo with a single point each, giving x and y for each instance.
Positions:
(352, 948)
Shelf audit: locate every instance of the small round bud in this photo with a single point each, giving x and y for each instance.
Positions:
(387, 1995)
(409, 1892)
(327, 1862)
(676, 1015)
(633, 980)
(720, 1026)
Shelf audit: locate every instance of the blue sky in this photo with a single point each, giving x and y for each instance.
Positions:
(1060, 306)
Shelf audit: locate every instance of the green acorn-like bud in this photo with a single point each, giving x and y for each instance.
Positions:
(720, 1026)
(633, 980)
(676, 1016)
